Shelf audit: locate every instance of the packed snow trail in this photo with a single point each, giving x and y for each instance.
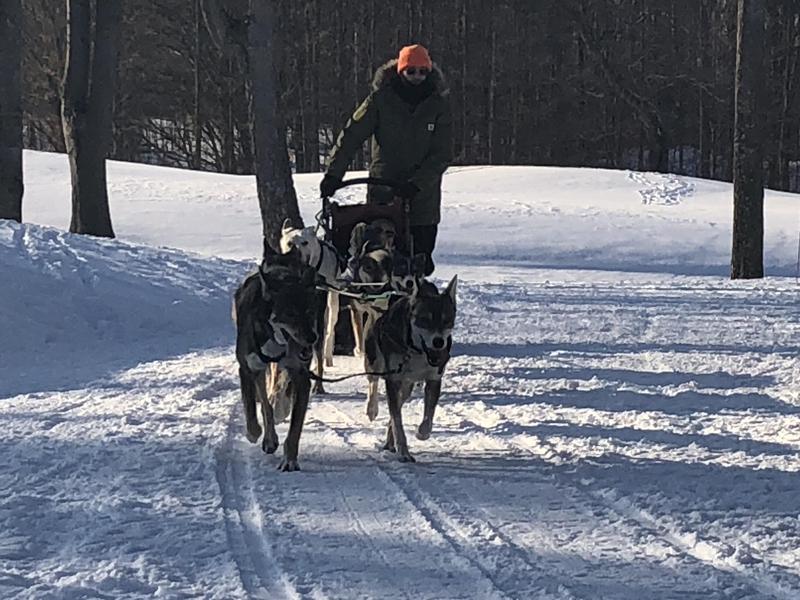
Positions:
(600, 436)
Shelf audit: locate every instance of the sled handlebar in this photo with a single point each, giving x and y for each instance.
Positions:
(391, 183)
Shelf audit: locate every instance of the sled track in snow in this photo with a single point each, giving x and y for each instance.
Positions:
(261, 575)
(477, 538)
(517, 571)
(689, 544)
(291, 506)
(474, 539)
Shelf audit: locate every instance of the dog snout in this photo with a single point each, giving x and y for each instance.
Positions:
(438, 342)
(409, 285)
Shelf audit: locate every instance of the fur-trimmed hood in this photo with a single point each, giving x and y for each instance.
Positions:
(387, 72)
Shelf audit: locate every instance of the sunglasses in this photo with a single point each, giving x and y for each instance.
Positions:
(417, 70)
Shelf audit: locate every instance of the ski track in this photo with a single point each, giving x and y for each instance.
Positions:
(686, 542)
(261, 575)
(474, 539)
(379, 542)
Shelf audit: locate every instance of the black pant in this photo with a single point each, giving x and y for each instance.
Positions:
(424, 242)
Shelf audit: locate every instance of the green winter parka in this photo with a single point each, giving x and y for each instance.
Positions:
(409, 143)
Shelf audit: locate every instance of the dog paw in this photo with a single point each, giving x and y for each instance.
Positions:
(269, 446)
(328, 362)
(424, 430)
(252, 432)
(287, 465)
(319, 388)
(405, 457)
(372, 410)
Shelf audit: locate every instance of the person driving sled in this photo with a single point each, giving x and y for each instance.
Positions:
(407, 114)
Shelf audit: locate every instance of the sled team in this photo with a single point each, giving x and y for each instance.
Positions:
(286, 311)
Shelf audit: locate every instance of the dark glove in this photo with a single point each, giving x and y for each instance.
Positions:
(407, 190)
(329, 185)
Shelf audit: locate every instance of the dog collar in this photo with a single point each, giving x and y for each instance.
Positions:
(271, 350)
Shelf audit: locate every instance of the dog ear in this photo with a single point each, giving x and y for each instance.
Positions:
(357, 237)
(450, 290)
(287, 226)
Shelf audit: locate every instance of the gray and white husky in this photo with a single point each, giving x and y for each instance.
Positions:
(411, 342)
(274, 310)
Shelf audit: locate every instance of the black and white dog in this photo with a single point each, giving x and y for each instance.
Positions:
(407, 271)
(411, 342)
(275, 313)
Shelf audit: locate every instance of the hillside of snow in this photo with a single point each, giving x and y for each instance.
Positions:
(536, 216)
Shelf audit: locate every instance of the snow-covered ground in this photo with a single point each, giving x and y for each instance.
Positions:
(619, 420)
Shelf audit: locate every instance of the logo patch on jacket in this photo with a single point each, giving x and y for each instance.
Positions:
(360, 111)
(431, 126)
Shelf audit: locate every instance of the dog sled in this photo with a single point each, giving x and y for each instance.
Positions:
(338, 220)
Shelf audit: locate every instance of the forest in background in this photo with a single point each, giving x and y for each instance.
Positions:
(603, 83)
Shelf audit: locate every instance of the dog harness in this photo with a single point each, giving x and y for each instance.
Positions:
(326, 245)
(270, 351)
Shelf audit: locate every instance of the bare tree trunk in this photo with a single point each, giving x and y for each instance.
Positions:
(463, 25)
(11, 186)
(229, 135)
(197, 124)
(87, 109)
(787, 91)
(276, 195)
(492, 90)
(309, 104)
(747, 259)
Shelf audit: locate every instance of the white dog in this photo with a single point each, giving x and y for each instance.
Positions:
(323, 257)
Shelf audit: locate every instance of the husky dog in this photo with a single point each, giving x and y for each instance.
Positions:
(371, 249)
(407, 272)
(315, 252)
(274, 310)
(324, 258)
(372, 266)
(411, 343)
(380, 233)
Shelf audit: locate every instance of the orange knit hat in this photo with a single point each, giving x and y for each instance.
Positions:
(413, 56)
